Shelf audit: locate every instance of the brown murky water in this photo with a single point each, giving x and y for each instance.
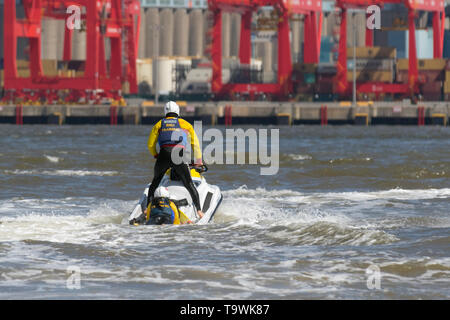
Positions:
(346, 200)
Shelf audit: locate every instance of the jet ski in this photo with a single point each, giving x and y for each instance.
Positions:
(210, 196)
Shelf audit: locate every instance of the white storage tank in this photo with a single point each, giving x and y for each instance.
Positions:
(164, 74)
(144, 75)
(49, 48)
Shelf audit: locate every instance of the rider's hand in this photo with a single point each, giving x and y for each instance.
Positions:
(198, 163)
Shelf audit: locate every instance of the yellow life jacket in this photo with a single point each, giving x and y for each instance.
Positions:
(179, 216)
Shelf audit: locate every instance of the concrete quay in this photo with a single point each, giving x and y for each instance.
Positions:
(235, 113)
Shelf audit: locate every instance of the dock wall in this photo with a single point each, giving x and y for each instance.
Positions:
(235, 113)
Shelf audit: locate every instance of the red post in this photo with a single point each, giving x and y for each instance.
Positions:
(319, 36)
(67, 54)
(413, 73)
(284, 54)
(369, 34)
(437, 45)
(245, 48)
(442, 30)
(19, 115)
(216, 53)
(307, 38)
(323, 115)
(421, 116)
(341, 65)
(228, 115)
(113, 115)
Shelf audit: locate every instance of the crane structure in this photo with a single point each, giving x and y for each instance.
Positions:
(118, 20)
(285, 9)
(437, 7)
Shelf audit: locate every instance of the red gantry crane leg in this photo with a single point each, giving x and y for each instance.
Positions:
(412, 87)
(104, 19)
(285, 9)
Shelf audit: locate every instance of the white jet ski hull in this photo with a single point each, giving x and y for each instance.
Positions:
(210, 199)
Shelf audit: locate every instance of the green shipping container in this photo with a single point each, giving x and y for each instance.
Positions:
(309, 78)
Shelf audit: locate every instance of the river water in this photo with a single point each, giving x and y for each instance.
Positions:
(353, 213)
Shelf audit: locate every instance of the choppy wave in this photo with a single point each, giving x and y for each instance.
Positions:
(52, 159)
(299, 157)
(80, 173)
(397, 193)
(252, 226)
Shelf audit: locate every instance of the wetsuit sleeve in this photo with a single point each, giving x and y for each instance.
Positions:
(194, 140)
(153, 138)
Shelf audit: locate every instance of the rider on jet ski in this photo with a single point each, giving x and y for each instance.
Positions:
(163, 132)
(162, 210)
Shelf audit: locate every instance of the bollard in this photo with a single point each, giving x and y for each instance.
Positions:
(284, 119)
(439, 119)
(362, 119)
(55, 118)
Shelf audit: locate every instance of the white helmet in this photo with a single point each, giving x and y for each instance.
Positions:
(162, 192)
(171, 107)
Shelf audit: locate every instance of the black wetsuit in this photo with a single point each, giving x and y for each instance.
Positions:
(163, 163)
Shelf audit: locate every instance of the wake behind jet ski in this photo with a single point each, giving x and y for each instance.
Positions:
(210, 198)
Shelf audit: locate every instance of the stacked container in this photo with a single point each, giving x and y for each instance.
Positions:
(326, 74)
(431, 76)
(430, 70)
(304, 78)
(447, 81)
(373, 64)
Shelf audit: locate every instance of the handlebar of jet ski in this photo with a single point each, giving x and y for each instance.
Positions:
(200, 169)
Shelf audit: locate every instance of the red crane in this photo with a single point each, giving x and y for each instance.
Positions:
(435, 6)
(113, 19)
(285, 8)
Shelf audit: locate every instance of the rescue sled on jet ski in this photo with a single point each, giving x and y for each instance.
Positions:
(210, 196)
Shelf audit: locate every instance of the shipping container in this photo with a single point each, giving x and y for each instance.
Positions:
(447, 87)
(326, 68)
(423, 64)
(431, 87)
(371, 76)
(309, 78)
(305, 67)
(373, 53)
(324, 87)
(372, 64)
(305, 89)
(424, 76)
(432, 96)
(446, 51)
(326, 77)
